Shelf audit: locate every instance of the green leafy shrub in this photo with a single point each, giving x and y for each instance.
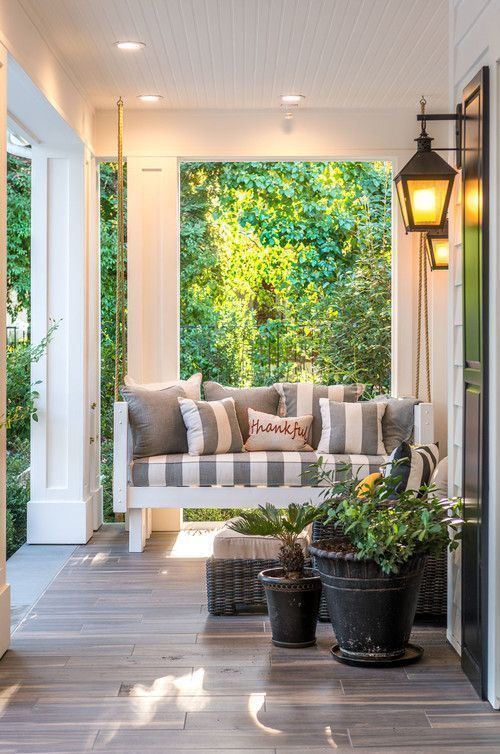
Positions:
(388, 527)
(18, 493)
(286, 525)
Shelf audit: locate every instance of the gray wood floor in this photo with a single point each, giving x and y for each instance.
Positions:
(120, 655)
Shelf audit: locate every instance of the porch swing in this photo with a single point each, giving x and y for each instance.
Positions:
(226, 480)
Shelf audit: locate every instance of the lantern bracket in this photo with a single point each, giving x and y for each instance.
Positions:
(455, 117)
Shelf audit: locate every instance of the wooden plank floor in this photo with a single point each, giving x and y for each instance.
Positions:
(120, 655)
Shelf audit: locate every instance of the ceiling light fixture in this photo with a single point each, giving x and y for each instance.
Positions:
(292, 99)
(290, 102)
(150, 97)
(129, 45)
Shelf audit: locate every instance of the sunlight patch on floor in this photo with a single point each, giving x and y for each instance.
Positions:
(193, 543)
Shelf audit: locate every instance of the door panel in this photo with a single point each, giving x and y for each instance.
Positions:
(475, 300)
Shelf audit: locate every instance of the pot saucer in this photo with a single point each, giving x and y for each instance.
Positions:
(413, 653)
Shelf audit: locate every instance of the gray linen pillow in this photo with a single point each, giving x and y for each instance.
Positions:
(156, 421)
(264, 399)
(397, 422)
(212, 427)
(351, 428)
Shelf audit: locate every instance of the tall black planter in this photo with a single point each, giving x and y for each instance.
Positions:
(293, 606)
(371, 612)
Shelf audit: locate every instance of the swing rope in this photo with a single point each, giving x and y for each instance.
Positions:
(121, 313)
(423, 309)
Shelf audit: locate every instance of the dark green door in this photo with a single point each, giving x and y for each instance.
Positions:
(475, 300)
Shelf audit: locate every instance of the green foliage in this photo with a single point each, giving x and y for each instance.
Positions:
(18, 493)
(18, 234)
(285, 271)
(283, 524)
(22, 393)
(386, 527)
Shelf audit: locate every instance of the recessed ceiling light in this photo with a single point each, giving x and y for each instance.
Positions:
(150, 97)
(292, 99)
(129, 45)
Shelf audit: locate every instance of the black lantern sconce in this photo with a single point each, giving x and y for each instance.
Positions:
(437, 246)
(425, 183)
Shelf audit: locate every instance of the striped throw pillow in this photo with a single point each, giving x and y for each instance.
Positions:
(412, 468)
(351, 428)
(302, 398)
(212, 427)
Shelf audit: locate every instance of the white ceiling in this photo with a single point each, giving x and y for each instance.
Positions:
(245, 53)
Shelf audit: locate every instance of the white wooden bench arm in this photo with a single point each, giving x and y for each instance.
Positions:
(122, 456)
(423, 425)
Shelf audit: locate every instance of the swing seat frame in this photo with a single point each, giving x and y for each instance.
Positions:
(137, 502)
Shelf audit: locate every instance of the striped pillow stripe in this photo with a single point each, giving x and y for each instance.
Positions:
(413, 467)
(351, 427)
(302, 398)
(212, 426)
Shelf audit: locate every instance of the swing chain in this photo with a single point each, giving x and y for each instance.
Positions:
(121, 315)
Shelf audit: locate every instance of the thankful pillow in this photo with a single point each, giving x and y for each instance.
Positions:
(268, 432)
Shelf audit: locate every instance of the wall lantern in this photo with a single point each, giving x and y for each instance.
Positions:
(424, 184)
(438, 248)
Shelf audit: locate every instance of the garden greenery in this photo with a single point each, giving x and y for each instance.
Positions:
(388, 527)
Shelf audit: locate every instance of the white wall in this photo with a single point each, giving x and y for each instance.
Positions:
(24, 42)
(475, 41)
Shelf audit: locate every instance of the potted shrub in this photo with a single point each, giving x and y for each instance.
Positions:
(371, 572)
(292, 591)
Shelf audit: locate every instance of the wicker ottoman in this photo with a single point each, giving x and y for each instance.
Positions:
(232, 583)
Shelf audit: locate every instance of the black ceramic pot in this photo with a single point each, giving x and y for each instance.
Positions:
(371, 612)
(293, 606)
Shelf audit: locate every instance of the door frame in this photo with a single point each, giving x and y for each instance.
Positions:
(479, 83)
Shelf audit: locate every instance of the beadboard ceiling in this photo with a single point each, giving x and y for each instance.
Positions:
(245, 53)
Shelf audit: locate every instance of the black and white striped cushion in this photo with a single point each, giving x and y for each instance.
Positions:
(302, 398)
(249, 469)
(351, 427)
(212, 426)
(412, 467)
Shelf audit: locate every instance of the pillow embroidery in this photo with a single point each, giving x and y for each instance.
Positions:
(268, 432)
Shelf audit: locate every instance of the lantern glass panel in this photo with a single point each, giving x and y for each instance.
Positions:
(441, 251)
(428, 199)
(402, 202)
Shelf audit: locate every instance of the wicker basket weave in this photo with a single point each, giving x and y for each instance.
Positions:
(232, 585)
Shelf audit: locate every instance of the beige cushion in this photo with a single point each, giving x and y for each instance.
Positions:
(267, 432)
(191, 386)
(440, 477)
(229, 545)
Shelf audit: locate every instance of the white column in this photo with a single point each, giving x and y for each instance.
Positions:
(403, 301)
(62, 492)
(153, 279)
(4, 588)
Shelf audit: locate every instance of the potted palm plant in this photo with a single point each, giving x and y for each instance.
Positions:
(371, 571)
(293, 591)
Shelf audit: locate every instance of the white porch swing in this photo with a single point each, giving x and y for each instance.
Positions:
(184, 481)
